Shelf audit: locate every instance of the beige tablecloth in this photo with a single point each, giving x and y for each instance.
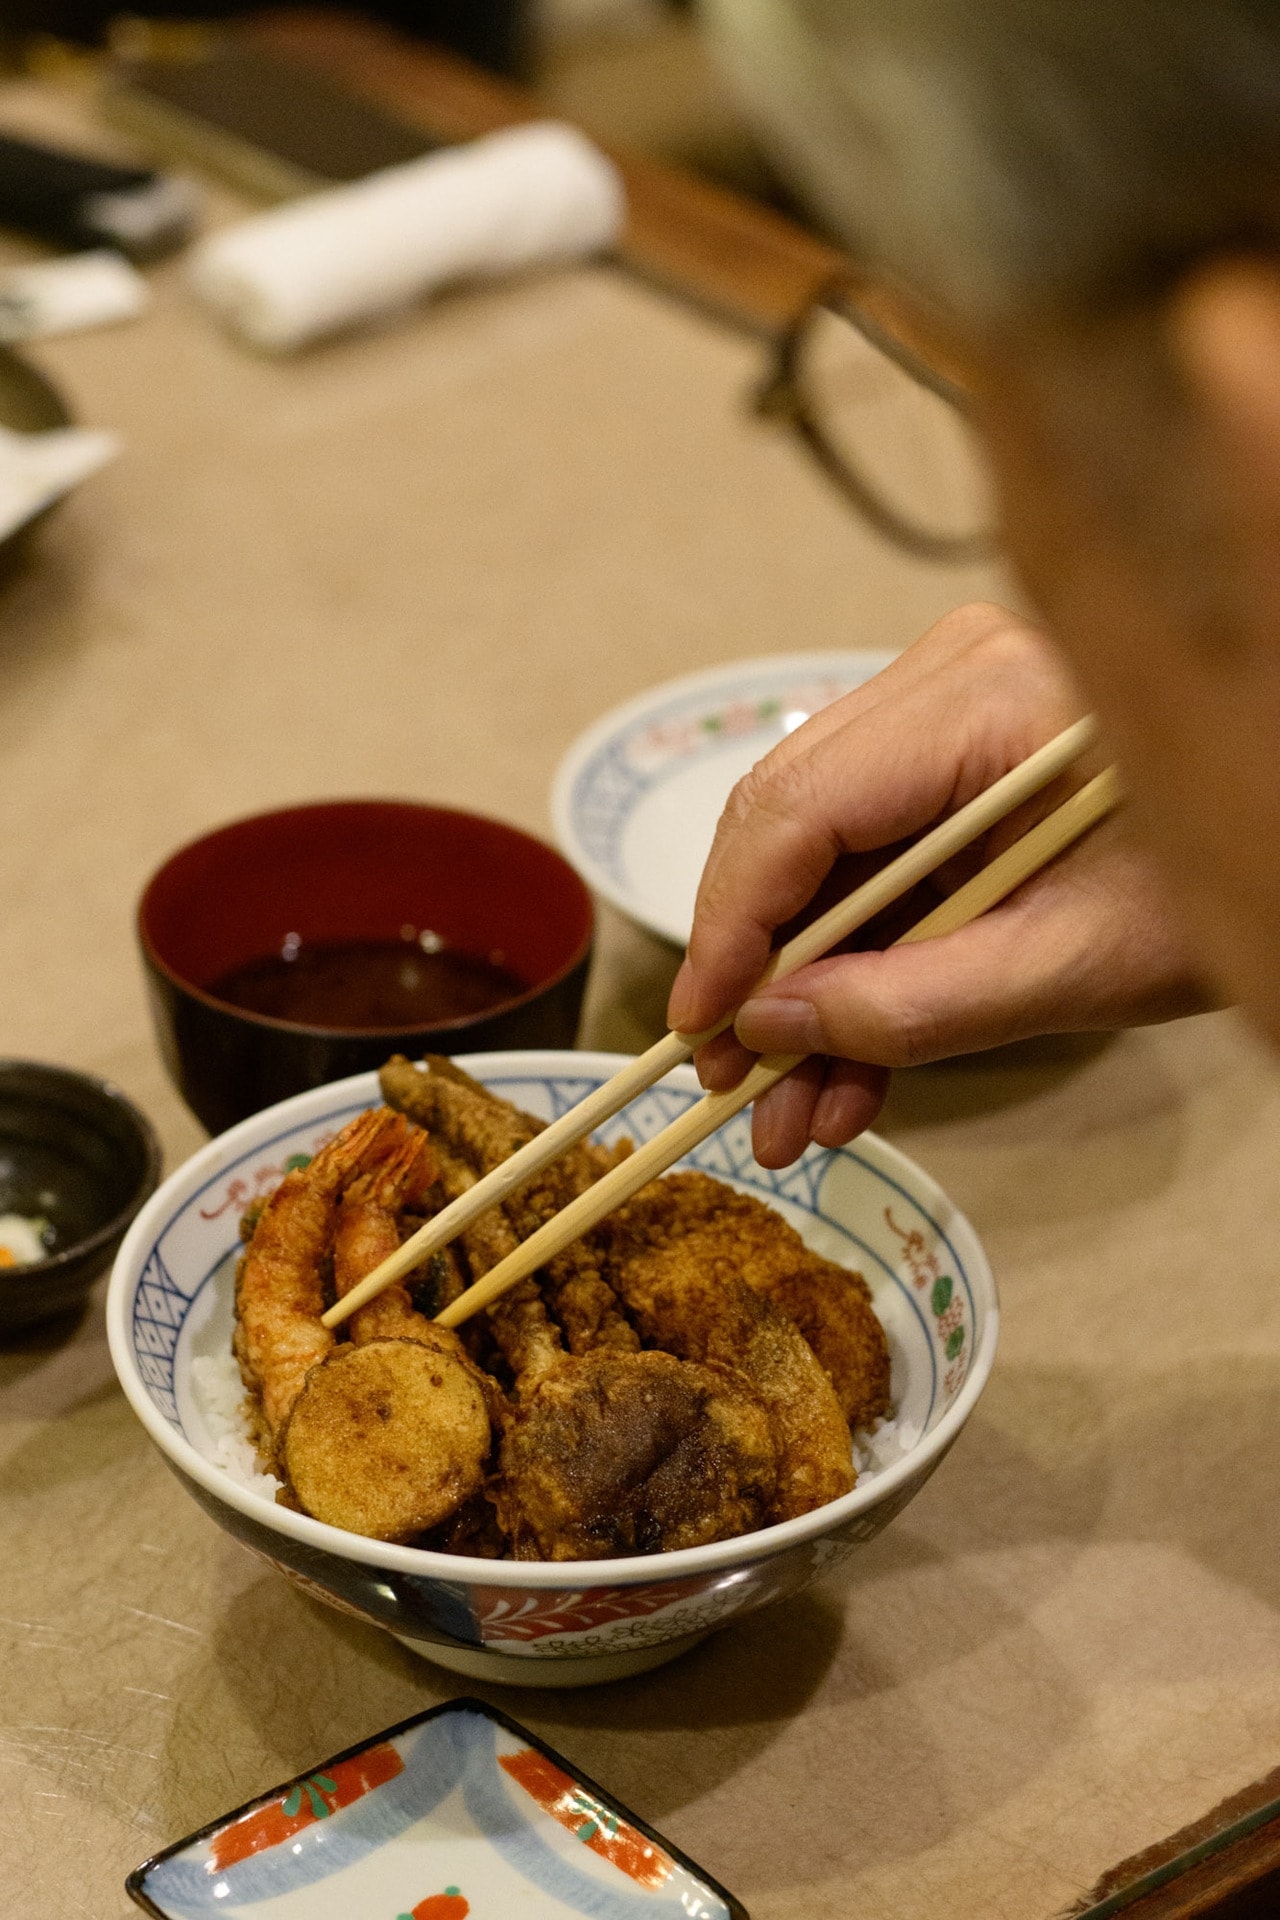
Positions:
(418, 563)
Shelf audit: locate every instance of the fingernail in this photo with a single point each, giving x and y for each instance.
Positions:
(680, 1002)
(773, 1024)
(719, 1072)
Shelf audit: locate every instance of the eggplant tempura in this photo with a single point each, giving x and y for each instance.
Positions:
(686, 1372)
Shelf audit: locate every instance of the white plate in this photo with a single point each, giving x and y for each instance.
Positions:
(637, 797)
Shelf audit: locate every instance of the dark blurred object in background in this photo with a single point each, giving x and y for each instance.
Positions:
(493, 32)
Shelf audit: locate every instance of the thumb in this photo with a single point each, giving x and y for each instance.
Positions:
(992, 982)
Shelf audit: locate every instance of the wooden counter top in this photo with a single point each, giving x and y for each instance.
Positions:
(419, 563)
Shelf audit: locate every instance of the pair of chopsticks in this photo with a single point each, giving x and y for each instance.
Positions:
(992, 884)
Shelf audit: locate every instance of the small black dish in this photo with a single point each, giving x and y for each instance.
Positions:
(74, 1152)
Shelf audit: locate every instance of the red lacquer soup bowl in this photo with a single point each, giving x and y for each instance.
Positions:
(258, 939)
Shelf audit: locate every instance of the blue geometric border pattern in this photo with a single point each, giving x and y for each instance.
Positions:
(605, 795)
(159, 1309)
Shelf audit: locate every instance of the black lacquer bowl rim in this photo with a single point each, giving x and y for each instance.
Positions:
(101, 1238)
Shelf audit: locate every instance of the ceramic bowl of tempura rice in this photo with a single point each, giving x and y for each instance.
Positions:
(552, 1623)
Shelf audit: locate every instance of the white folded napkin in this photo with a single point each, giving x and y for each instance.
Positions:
(531, 195)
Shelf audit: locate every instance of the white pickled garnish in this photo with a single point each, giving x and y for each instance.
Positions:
(21, 1240)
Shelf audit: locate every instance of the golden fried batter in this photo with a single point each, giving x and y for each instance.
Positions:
(523, 1329)
(830, 1305)
(618, 1453)
(473, 1530)
(598, 1454)
(368, 1232)
(280, 1284)
(481, 1131)
(727, 1422)
(389, 1438)
(686, 1294)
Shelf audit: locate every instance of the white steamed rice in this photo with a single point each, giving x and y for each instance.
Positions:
(219, 1395)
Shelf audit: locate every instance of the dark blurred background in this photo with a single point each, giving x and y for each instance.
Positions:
(498, 33)
(634, 73)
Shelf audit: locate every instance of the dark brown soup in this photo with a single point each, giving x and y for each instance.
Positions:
(407, 983)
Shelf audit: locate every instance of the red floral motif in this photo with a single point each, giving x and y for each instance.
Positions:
(673, 739)
(922, 1262)
(301, 1806)
(947, 1306)
(506, 1615)
(740, 717)
(449, 1905)
(239, 1192)
(595, 1824)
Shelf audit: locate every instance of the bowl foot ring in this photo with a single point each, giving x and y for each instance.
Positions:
(527, 1670)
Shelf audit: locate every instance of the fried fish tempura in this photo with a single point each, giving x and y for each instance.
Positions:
(389, 1438)
(687, 1296)
(523, 1329)
(830, 1305)
(279, 1285)
(618, 1453)
(482, 1131)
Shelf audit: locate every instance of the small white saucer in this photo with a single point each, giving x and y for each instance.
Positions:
(636, 799)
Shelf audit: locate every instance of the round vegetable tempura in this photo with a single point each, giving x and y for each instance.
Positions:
(390, 1438)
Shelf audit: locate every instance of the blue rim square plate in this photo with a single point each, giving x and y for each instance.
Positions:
(456, 1814)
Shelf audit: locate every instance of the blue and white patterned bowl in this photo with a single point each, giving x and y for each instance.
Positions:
(543, 1623)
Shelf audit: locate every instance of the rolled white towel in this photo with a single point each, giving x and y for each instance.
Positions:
(530, 195)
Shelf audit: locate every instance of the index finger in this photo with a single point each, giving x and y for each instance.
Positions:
(859, 786)
(937, 648)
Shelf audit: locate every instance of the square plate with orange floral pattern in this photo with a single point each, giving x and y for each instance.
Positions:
(457, 1814)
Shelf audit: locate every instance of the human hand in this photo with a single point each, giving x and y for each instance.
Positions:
(1089, 943)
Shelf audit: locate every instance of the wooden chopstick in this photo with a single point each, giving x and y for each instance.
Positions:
(1026, 856)
(932, 850)
(1017, 863)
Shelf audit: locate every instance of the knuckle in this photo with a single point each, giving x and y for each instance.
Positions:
(916, 1036)
(896, 1033)
(1007, 651)
(971, 623)
(744, 798)
(772, 796)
